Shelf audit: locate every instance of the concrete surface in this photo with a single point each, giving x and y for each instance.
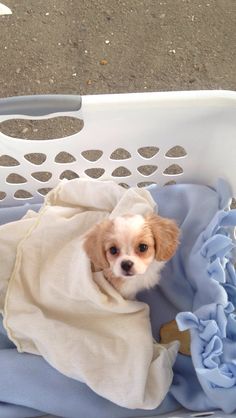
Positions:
(108, 46)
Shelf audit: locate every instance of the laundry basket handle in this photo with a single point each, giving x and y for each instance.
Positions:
(39, 105)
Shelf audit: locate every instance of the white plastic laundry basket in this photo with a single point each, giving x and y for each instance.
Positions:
(143, 127)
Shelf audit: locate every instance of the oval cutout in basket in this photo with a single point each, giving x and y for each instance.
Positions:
(23, 194)
(124, 185)
(14, 178)
(8, 161)
(148, 152)
(92, 155)
(42, 176)
(173, 170)
(176, 152)
(120, 154)
(69, 175)
(121, 172)
(44, 190)
(52, 128)
(145, 183)
(94, 173)
(233, 203)
(147, 170)
(2, 195)
(64, 157)
(36, 158)
(170, 183)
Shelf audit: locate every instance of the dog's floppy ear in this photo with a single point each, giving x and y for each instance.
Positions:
(94, 244)
(166, 234)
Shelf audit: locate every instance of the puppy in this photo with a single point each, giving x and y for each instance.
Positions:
(131, 250)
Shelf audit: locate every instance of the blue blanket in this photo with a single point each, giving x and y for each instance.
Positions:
(198, 285)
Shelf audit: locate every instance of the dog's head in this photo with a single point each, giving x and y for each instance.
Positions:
(128, 244)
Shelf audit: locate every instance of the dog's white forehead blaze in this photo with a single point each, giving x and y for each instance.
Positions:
(127, 227)
(129, 224)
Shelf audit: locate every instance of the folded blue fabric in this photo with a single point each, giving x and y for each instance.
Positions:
(198, 284)
(212, 320)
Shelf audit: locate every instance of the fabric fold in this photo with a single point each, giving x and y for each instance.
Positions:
(212, 321)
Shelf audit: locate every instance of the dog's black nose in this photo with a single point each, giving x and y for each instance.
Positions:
(126, 265)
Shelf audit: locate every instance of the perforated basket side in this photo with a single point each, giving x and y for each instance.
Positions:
(134, 137)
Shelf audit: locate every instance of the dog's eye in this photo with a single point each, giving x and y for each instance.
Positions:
(143, 248)
(113, 250)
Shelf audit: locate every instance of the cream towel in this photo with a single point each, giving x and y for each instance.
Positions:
(56, 307)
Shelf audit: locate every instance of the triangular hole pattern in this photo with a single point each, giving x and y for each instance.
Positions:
(14, 178)
(95, 173)
(2, 195)
(148, 152)
(147, 170)
(121, 172)
(69, 175)
(120, 154)
(8, 161)
(64, 158)
(36, 158)
(22, 194)
(176, 152)
(92, 155)
(42, 176)
(173, 170)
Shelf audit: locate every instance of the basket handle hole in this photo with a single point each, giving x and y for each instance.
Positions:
(54, 128)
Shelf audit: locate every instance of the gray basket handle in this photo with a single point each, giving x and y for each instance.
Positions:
(39, 105)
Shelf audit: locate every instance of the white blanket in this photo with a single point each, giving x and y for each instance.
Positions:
(56, 307)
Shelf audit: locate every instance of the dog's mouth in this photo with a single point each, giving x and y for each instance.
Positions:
(128, 274)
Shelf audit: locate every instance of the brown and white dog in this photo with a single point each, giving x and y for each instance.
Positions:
(131, 250)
